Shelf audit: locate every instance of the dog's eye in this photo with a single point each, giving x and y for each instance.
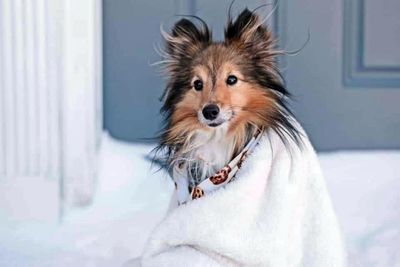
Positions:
(232, 79)
(198, 85)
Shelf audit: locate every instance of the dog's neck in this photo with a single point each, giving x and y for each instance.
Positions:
(207, 153)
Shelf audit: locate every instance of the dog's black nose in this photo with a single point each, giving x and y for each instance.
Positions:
(210, 112)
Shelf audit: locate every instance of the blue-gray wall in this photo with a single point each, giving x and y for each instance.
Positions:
(346, 81)
(132, 86)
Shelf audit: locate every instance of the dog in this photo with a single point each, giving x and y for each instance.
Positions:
(219, 94)
(249, 190)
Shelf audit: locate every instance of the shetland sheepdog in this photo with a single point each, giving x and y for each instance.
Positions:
(220, 93)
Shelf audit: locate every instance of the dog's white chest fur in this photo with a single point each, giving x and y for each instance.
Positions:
(210, 152)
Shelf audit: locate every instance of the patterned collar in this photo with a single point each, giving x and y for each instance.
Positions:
(212, 183)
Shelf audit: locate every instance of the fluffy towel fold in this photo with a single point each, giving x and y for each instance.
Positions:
(277, 212)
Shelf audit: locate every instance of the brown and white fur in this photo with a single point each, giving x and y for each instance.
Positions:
(238, 75)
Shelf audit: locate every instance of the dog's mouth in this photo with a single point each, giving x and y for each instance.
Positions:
(215, 124)
(223, 118)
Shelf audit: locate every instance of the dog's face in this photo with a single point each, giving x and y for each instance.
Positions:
(232, 85)
(221, 94)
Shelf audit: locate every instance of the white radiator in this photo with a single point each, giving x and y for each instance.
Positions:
(50, 105)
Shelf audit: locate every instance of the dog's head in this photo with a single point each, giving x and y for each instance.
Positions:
(232, 85)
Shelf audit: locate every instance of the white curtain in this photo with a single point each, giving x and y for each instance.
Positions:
(50, 105)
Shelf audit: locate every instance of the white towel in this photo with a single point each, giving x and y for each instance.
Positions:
(277, 212)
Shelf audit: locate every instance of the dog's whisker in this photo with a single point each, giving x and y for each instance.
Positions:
(297, 51)
(230, 10)
(261, 6)
(160, 51)
(161, 62)
(268, 16)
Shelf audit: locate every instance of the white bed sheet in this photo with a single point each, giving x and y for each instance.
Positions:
(131, 198)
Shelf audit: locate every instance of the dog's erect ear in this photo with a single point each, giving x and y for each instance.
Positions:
(182, 45)
(249, 32)
(187, 39)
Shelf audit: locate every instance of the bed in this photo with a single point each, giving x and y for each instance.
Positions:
(131, 197)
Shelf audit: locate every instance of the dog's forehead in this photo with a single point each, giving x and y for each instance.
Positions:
(216, 56)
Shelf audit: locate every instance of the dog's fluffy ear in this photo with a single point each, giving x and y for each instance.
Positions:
(186, 40)
(249, 33)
